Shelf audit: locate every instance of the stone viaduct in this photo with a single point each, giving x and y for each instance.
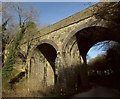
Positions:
(58, 52)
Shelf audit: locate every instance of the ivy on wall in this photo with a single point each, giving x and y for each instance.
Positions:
(8, 65)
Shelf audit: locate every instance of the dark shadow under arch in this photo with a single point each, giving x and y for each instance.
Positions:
(49, 50)
(87, 37)
(50, 54)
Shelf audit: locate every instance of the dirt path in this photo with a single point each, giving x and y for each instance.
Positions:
(99, 91)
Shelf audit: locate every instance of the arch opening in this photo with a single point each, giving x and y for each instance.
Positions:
(103, 64)
(75, 50)
(49, 52)
(91, 35)
(42, 65)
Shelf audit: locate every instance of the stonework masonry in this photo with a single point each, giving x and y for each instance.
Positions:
(58, 51)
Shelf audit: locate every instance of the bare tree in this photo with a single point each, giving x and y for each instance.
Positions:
(24, 16)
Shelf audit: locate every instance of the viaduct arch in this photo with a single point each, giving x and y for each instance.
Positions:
(71, 38)
(42, 59)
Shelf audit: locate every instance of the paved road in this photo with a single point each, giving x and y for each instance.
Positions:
(99, 91)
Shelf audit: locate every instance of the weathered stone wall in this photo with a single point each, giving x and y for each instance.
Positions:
(62, 37)
(41, 70)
